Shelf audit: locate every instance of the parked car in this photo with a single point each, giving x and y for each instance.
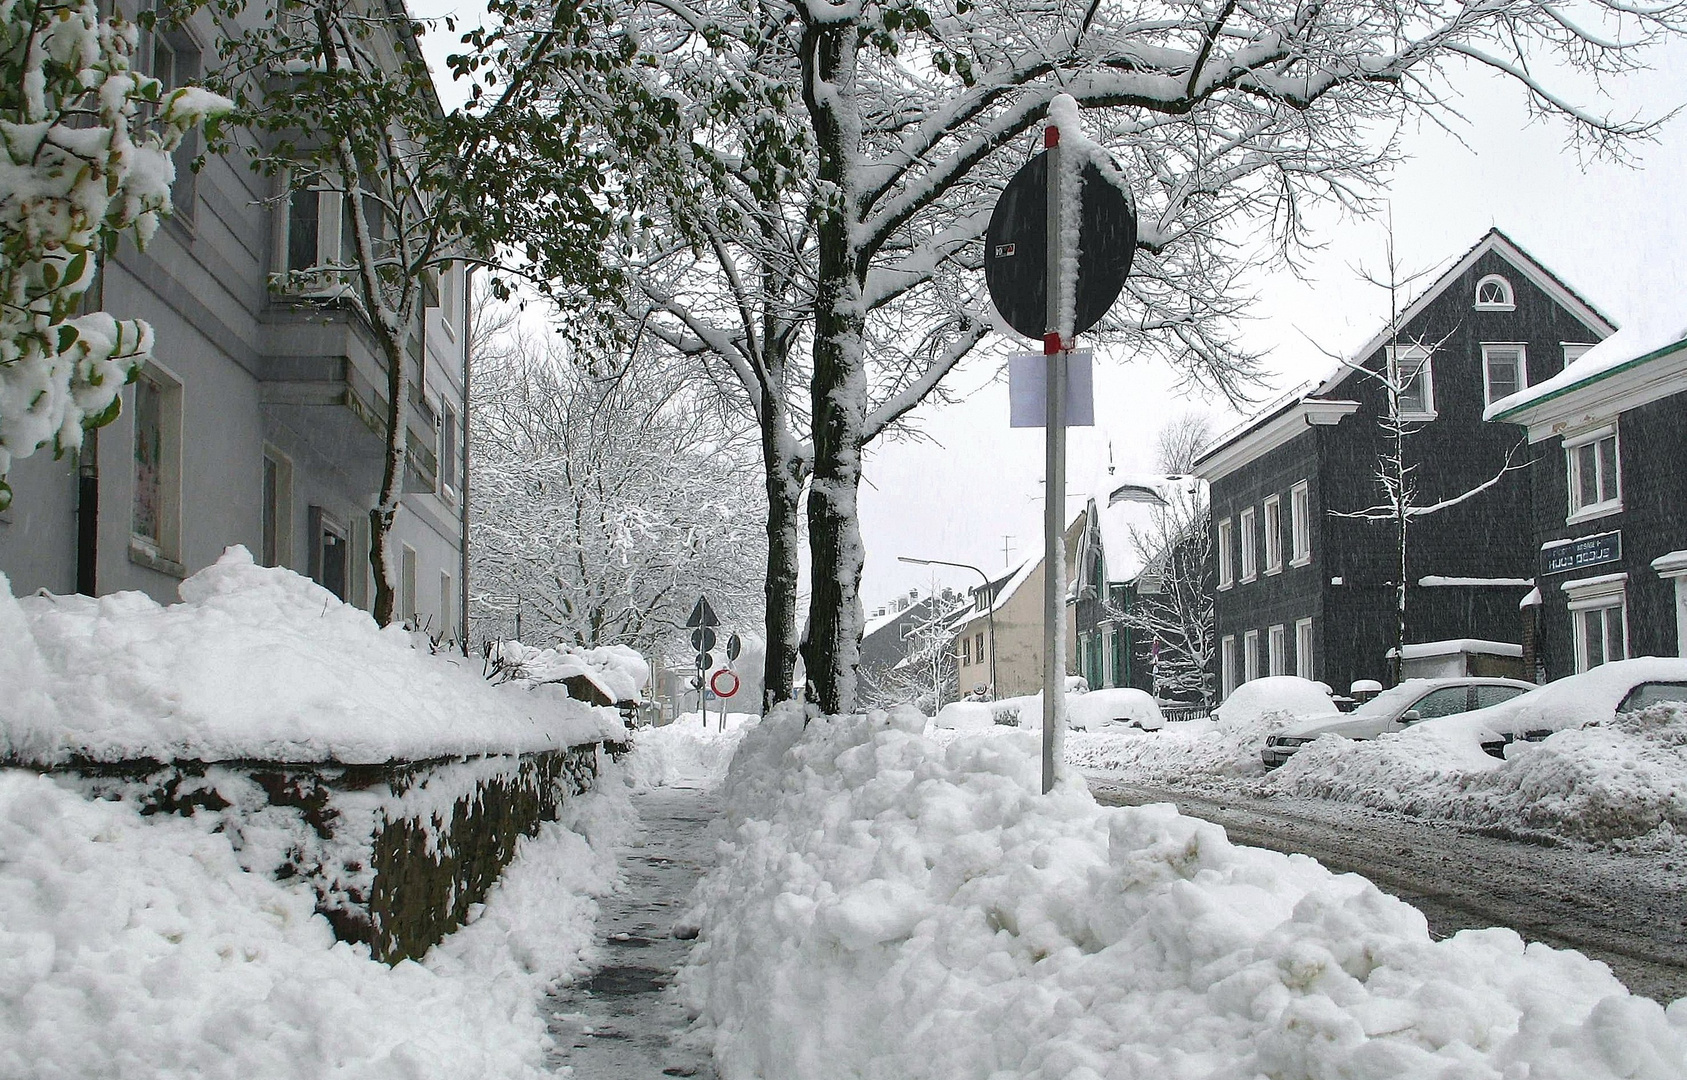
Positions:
(1589, 697)
(1396, 709)
(1118, 706)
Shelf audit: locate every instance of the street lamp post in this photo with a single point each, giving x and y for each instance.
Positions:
(989, 609)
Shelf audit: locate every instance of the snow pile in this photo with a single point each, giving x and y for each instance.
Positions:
(256, 662)
(616, 670)
(685, 753)
(887, 907)
(137, 947)
(1621, 781)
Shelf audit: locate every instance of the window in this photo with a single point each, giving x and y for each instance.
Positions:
(1443, 702)
(448, 479)
(277, 540)
(173, 59)
(1246, 524)
(1250, 656)
(978, 646)
(1504, 371)
(1599, 619)
(1594, 474)
(966, 651)
(1494, 695)
(448, 301)
(1573, 352)
(1303, 649)
(155, 515)
(1300, 525)
(1276, 644)
(1226, 568)
(330, 555)
(1227, 664)
(1273, 535)
(1417, 381)
(1493, 293)
(407, 584)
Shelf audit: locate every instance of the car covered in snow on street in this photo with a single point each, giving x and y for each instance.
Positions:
(1588, 697)
(1395, 709)
(1117, 706)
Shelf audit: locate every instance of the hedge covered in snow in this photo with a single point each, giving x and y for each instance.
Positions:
(255, 663)
(888, 906)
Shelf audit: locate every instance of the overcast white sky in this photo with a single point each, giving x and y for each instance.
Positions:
(1617, 235)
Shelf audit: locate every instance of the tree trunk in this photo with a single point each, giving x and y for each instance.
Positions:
(784, 489)
(831, 646)
(385, 511)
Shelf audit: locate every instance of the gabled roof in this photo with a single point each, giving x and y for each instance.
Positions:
(1623, 355)
(1311, 403)
(1507, 249)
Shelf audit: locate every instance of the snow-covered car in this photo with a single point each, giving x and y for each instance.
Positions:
(1574, 701)
(1395, 709)
(1118, 706)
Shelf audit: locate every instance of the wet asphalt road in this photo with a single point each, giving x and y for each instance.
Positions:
(1628, 911)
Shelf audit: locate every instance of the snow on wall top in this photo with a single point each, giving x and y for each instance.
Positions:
(616, 670)
(258, 663)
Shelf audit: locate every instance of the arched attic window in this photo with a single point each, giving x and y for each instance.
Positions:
(1493, 293)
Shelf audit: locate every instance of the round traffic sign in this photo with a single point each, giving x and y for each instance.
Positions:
(1016, 248)
(702, 639)
(724, 675)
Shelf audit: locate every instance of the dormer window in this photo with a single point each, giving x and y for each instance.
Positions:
(1493, 293)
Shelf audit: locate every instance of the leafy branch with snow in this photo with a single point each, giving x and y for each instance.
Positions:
(88, 142)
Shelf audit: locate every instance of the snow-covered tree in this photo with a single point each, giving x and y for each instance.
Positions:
(926, 675)
(864, 141)
(341, 100)
(606, 496)
(87, 160)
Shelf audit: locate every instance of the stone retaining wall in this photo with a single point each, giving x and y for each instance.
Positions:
(398, 853)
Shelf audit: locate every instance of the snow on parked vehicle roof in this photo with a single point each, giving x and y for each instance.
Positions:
(1569, 702)
(255, 662)
(1287, 694)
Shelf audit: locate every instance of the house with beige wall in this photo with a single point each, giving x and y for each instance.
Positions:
(1014, 603)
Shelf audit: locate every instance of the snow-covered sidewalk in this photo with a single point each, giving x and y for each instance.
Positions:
(621, 1022)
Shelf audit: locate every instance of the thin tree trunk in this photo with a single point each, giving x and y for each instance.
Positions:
(385, 511)
(784, 489)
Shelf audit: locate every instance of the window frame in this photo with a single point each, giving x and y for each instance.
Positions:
(323, 523)
(1509, 303)
(450, 436)
(1601, 595)
(1249, 550)
(1226, 565)
(1489, 347)
(408, 569)
(1227, 664)
(978, 645)
(1305, 646)
(164, 551)
(1400, 355)
(1577, 511)
(446, 605)
(1250, 656)
(1300, 524)
(1580, 348)
(1277, 649)
(965, 654)
(1273, 534)
(276, 512)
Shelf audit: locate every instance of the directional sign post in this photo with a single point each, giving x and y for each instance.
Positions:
(1023, 259)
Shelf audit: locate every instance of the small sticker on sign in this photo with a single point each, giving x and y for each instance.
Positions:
(1004, 250)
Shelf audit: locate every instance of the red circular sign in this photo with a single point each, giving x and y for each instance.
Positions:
(716, 679)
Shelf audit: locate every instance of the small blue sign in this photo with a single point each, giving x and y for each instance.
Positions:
(1585, 552)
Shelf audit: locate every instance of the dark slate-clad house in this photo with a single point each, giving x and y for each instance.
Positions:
(1609, 469)
(1303, 590)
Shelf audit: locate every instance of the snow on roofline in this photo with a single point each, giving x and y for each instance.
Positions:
(1432, 581)
(1623, 351)
(1457, 645)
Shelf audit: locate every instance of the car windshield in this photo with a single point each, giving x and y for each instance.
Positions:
(1651, 693)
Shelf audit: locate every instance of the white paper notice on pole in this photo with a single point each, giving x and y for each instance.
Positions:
(1028, 389)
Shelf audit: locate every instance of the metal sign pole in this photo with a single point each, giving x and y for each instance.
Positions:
(1054, 490)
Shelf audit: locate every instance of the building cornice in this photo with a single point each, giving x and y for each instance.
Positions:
(1272, 431)
(1600, 397)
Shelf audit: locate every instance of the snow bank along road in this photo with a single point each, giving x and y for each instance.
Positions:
(1628, 911)
(622, 1022)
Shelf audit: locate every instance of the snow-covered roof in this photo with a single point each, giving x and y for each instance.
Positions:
(1454, 646)
(1126, 503)
(1662, 335)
